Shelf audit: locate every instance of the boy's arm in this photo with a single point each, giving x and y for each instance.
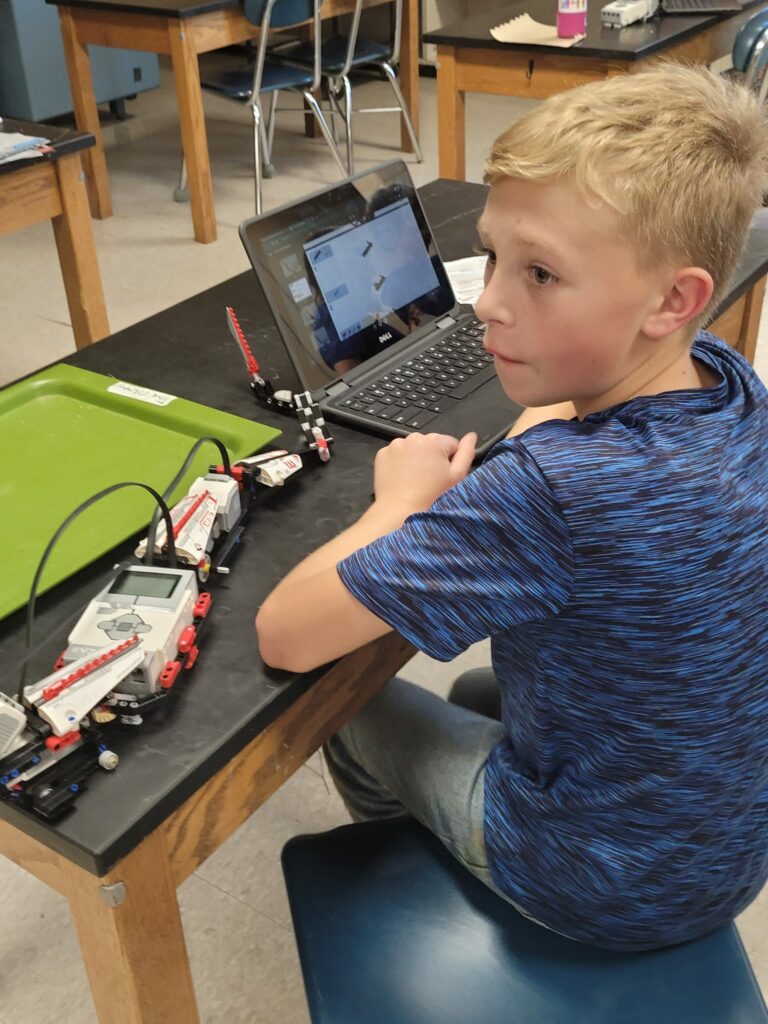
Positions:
(311, 618)
(532, 417)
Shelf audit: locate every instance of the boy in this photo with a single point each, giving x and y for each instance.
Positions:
(611, 779)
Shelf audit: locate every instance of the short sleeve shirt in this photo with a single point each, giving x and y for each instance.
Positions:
(619, 566)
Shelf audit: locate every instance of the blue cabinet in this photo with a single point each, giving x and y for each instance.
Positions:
(33, 72)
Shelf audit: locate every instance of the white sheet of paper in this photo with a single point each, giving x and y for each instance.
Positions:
(466, 277)
(523, 29)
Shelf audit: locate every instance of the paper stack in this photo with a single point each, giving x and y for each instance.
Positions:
(523, 29)
(16, 146)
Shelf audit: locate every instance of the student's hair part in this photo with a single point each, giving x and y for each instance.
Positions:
(678, 153)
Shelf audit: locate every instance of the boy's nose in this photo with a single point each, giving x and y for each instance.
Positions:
(494, 304)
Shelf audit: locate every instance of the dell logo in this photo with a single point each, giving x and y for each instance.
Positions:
(385, 337)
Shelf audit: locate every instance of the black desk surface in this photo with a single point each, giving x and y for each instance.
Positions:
(165, 8)
(229, 696)
(627, 44)
(62, 141)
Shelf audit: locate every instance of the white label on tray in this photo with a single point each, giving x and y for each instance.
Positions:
(140, 394)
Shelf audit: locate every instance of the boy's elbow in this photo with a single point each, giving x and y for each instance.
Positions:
(276, 648)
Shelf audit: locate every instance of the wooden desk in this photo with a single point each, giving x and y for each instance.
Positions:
(470, 60)
(238, 730)
(51, 187)
(184, 29)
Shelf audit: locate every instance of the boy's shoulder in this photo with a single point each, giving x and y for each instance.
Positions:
(653, 440)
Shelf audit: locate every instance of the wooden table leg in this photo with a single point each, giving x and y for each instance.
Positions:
(751, 322)
(132, 942)
(451, 128)
(77, 255)
(409, 70)
(86, 114)
(186, 74)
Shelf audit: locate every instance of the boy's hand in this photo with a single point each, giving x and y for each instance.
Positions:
(412, 472)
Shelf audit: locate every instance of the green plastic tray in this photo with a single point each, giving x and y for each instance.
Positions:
(64, 436)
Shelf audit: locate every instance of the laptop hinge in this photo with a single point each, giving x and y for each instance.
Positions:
(447, 321)
(337, 388)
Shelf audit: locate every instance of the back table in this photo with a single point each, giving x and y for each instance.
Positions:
(470, 60)
(183, 29)
(238, 729)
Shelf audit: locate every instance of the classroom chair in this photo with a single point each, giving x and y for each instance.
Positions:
(392, 930)
(750, 53)
(343, 53)
(269, 75)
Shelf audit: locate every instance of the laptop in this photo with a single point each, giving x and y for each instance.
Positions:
(700, 6)
(364, 306)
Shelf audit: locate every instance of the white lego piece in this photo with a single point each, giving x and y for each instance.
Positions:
(62, 699)
(13, 720)
(620, 13)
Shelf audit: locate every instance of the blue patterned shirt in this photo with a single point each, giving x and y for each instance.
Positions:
(619, 566)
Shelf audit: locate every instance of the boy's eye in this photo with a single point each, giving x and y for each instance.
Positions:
(483, 250)
(541, 276)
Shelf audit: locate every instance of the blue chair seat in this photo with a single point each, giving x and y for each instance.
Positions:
(236, 83)
(334, 53)
(391, 930)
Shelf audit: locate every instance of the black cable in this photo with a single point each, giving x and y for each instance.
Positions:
(149, 554)
(162, 509)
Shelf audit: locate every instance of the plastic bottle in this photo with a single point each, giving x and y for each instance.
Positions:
(571, 18)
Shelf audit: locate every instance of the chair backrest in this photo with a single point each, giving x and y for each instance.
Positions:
(269, 14)
(750, 53)
(283, 14)
(354, 29)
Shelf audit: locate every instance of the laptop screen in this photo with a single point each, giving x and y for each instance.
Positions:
(349, 272)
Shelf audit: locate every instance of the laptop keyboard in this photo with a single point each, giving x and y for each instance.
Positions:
(429, 384)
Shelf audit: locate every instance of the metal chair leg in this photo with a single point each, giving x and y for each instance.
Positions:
(335, 111)
(181, 192)
(269, 138)
(348, 118)
(389, 71)
(315, 107)
(257, 130)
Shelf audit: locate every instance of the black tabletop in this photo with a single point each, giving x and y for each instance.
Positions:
(229, 696)
(62, 141)
(165, 8)
(627, 44)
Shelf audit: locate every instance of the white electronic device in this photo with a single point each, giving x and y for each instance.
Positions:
(152, 603)
(620, 13)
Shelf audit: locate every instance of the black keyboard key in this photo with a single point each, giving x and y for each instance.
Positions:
(472, 383)
(421, 419)
(406, 415)
(443, 404)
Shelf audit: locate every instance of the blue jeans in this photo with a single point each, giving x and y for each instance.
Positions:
(412, 752)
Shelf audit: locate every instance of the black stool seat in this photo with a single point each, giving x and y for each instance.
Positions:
(391, 930)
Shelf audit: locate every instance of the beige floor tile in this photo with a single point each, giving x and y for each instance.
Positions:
(753, 928)
(248, 865)
(42, 978)
(245, 968)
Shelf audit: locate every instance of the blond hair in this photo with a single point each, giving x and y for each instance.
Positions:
(679, 154)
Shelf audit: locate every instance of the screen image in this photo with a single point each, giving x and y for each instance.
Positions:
(349, 272)
(144, 584)
(366, 272)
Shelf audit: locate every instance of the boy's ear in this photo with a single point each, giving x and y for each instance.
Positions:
(687, 295)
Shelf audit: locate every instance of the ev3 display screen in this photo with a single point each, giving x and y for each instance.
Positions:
(144, 584)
